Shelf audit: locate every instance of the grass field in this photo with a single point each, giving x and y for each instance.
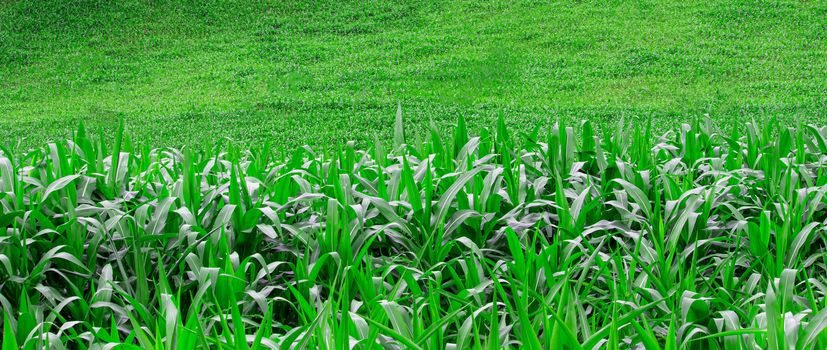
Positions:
(196, 71)
(417, 175)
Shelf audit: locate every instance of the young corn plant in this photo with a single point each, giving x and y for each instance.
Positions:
(564, 238)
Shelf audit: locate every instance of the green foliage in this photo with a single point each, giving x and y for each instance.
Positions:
(326, 72)
(500, 240)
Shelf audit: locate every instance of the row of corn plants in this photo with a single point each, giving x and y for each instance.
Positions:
(554, 239)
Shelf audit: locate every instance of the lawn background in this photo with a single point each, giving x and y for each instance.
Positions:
(293, 73)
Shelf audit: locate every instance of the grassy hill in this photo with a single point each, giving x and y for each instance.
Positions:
(291, 73)
(592, 235)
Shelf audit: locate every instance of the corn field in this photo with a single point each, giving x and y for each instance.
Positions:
(562, 238)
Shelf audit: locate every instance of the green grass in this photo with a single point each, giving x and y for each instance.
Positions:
(507, 186)
(291, 73)
(553, 239)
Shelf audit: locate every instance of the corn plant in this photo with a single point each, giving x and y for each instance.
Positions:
(563, 238)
